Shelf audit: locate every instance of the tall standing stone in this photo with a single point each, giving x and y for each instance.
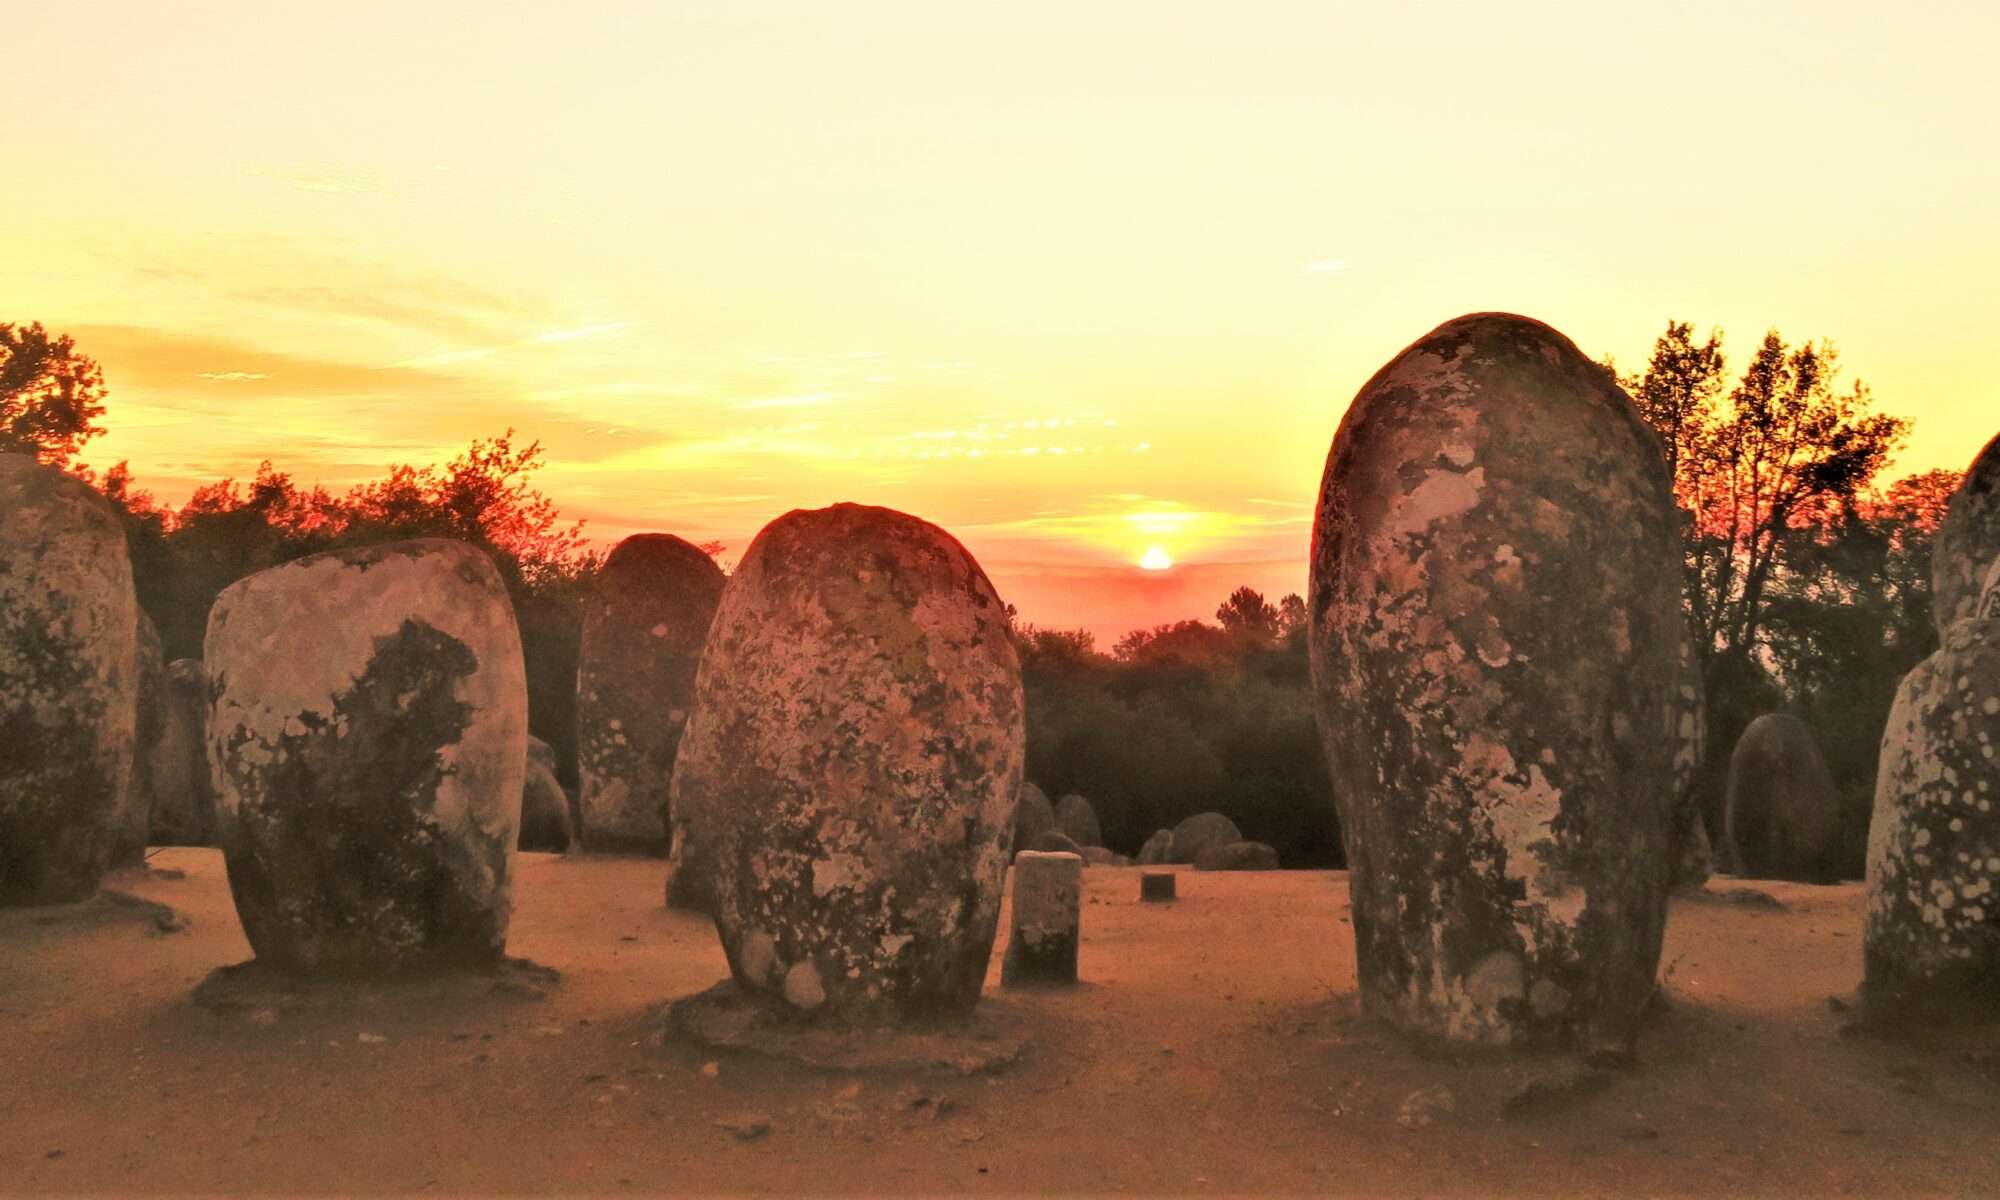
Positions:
(1968, 541)
(1783, 808)
(1931, 943)
(1496, 647)
(643, 631)
(69, 629)
(132, 825)
(183, 794)
(368, 733)
(855, 756)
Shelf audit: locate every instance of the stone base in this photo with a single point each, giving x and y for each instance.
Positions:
(254, 990)
(726, 1018)
(154, 918)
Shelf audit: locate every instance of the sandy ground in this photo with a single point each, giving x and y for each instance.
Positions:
(1212, 1048)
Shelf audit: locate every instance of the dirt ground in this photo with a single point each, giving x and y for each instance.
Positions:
(1212, 1048)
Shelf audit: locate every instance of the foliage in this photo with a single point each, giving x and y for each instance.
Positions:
(1186, 718)
(1807, 584)
(50, 395)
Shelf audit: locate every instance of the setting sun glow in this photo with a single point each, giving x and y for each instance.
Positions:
(1064, 280)
(1155, 559)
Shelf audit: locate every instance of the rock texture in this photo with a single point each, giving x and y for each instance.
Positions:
(1048, 899)
(1931, 947)
(69, 630)
(1497, 648)
(369, 735)
(1077, 819)
(132, 824)
(855, 756)
(1033, 817)
(1237, 856)
(1968, 541)
(545, 809)
(1198, 833)
(643, 632)
(1782, 814)
(183, 794)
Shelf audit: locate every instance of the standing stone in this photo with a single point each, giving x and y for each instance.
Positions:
(1078, 820)
(368, 734)
(1048, 898)
(855, 756)
(183, 795)
(1033, 817)
(1158, 849)
(1694, 856)
(1931, 947)
(1198, 833)
(1783, 810)
(69, 630)
(643, 631)
(1496, 648)
(1968, 541)
(545, 816)
(133, 822)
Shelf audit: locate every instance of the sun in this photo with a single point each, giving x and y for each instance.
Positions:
(1155, 559)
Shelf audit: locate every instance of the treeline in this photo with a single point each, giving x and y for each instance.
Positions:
(1807, 589)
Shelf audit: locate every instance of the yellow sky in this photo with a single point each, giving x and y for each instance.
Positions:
(1072, 279)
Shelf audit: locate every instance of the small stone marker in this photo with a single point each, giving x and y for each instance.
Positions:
(1048, 895)
(1156, 887)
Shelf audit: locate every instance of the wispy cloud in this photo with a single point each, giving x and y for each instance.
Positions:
(332, 183)
(799, 401)
(471, 353)
(232, 376)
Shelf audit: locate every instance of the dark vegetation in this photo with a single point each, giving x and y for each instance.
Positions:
(1808, 581)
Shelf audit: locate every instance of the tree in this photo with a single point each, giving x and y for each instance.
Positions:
(50, 395)
(1785, 448)
(1248, 617)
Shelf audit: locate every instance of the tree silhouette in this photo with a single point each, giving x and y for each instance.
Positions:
(50, 395)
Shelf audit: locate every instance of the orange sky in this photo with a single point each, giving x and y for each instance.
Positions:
(1073, 280)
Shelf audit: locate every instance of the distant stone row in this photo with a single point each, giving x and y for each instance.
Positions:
(1506, 691)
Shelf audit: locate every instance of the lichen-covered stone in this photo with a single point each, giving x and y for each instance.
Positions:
(1197, 833)
(1783, 810)
(1968, 541)
(132, 823)
(1497, 649)
(1076, 818)
(1158, 849)
(1694, 853)
(183, 794)
(545, 809)
(1237, 856)
(643, 631)
(369, 733)
(1931, 946)
(69, 629)
(1048, 903)
(1033, 816)
(855, 754)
